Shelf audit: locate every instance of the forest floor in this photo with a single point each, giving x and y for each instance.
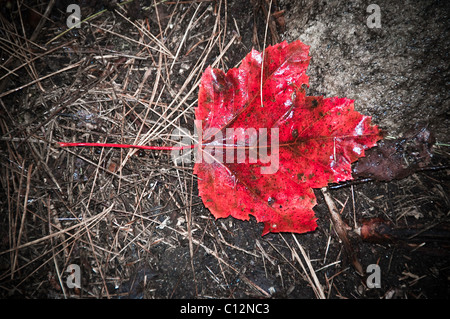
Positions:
(132, 220)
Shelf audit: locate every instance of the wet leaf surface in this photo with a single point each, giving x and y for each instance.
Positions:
(313, 140)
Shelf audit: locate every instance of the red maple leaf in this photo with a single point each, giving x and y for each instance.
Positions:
(318, 139)
(313, 140)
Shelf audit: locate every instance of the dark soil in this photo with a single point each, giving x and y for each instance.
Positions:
(133, 221)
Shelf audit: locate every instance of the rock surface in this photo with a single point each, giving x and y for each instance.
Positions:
(397, 73)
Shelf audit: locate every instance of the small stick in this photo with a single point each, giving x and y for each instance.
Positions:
(44, 17)
(340, 226)
(317, 287)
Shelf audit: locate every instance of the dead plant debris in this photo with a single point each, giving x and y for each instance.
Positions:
(131, 220)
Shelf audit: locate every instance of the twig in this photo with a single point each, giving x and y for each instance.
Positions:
(263, 53)
(41, 78)
(42, 21)
(317, 287)
(89, 221)
(340, 227)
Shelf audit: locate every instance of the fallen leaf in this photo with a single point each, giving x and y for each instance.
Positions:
(398, 158)
(317, 140)
(313, 140)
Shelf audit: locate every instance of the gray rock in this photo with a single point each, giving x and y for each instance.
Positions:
(398, 73)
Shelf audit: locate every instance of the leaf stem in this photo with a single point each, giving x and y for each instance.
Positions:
(142, 147)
